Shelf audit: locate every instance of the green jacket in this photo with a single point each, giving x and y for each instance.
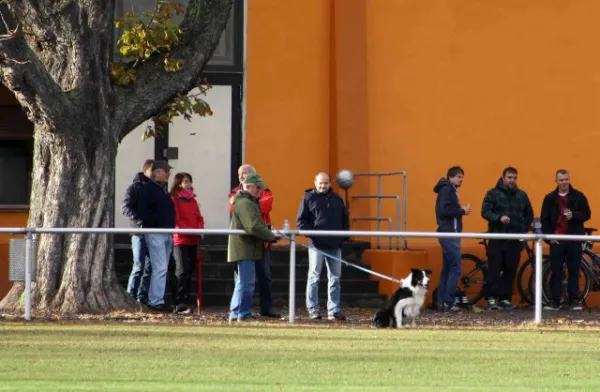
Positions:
(246, 216)
(514, 203)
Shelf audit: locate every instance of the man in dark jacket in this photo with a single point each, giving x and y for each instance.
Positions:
(563, 212)
(156, 210)
(448, 214)
(246, 250)
(323, 209)
(139, 278)
(507, 210)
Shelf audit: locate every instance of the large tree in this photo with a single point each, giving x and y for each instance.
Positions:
(56, 56)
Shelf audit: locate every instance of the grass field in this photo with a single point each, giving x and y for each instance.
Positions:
(117, 357)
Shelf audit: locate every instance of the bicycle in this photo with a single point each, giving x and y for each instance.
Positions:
(589, 276)
(472, 283)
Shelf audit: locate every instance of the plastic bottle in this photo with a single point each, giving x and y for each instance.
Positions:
(286, 226)
(537, 226)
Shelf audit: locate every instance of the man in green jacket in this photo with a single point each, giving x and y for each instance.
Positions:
(244, 250)
(507, 210)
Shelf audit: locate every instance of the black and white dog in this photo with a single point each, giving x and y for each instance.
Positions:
(407, 301)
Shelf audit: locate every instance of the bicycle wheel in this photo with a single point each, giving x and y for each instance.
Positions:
(526, 279)
(584, 283)
(473, 278)
(523, 281)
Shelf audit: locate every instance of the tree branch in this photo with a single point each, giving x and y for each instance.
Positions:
(22, 72)
(202, 27)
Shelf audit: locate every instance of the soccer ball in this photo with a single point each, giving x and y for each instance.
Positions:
(344, 179)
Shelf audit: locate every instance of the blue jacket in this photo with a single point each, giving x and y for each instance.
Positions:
(155, 207)
(323, 211)
(448, 212)
(130, 202)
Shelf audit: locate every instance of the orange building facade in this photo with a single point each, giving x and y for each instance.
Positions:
(387, 85)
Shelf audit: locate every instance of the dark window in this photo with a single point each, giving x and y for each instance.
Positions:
(16, 158)
(228, 52)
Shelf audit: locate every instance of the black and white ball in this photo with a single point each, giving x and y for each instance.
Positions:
(344, 179)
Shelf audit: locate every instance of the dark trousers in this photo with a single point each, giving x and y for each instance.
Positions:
(185, 260)
(569, 252)
(503, 262)
(171, 284)
(263, 275)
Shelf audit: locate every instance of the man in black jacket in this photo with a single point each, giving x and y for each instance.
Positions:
(448, 214)
(323, 209)
(139, 279)
(507, 210)
(156, 210)
(563, 212)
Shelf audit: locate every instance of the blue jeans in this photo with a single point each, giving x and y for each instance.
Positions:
(241, 301)
(160, 247)
(139, 279)
(451, 270)
(263, 274)
(334, 274)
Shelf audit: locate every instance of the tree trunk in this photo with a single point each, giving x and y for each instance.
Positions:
(73, 186)
(59, 71)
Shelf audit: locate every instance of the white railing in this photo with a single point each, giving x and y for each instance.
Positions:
(291, 236)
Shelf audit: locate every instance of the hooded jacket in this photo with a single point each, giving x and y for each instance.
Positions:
(577, 203)
(130, 202)
(505, 201)
(323, 211)
(448, 212)
(246, 216)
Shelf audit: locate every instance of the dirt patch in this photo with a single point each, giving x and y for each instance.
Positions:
(521, 317)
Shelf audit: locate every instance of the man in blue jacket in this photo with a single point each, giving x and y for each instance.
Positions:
(448, 214)
(156, 210)
(139, 278)
(323, 209)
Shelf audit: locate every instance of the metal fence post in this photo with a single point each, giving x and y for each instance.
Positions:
(538, 281)
(292, 302)
(404, 212)
(28, 253)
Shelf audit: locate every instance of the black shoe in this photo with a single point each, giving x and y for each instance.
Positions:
(270, 315)
(576, 305)
(337, 317)
(314, 315)
(183, 309)
(161, 308)
(553, 306)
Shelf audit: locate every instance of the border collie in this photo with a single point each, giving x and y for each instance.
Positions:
(406, 301)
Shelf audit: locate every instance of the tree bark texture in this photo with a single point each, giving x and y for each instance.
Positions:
(59, 70)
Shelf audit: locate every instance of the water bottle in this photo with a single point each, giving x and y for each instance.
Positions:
(537, 226)
(286, 226)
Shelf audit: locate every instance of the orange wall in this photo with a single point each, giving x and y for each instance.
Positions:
(288, 97)
(483, 84)
(8, 219)
(384, 85)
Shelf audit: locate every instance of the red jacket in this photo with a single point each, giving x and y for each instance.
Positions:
(187, 216)
(265, 200)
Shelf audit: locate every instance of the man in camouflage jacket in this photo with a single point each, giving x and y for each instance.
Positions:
(507, 210)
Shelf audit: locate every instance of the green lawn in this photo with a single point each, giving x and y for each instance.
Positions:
(112, 357)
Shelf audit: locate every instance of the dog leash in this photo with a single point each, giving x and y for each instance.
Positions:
(358, 267)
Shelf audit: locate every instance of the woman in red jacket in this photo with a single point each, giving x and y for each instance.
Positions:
(187, 216)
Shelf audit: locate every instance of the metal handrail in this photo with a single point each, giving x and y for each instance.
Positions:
(379, 196)
(292, 234)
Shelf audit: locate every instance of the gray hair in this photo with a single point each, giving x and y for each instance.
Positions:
(250, 167)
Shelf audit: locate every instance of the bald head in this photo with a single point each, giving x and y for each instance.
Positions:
(244, 170)
(322, 182)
